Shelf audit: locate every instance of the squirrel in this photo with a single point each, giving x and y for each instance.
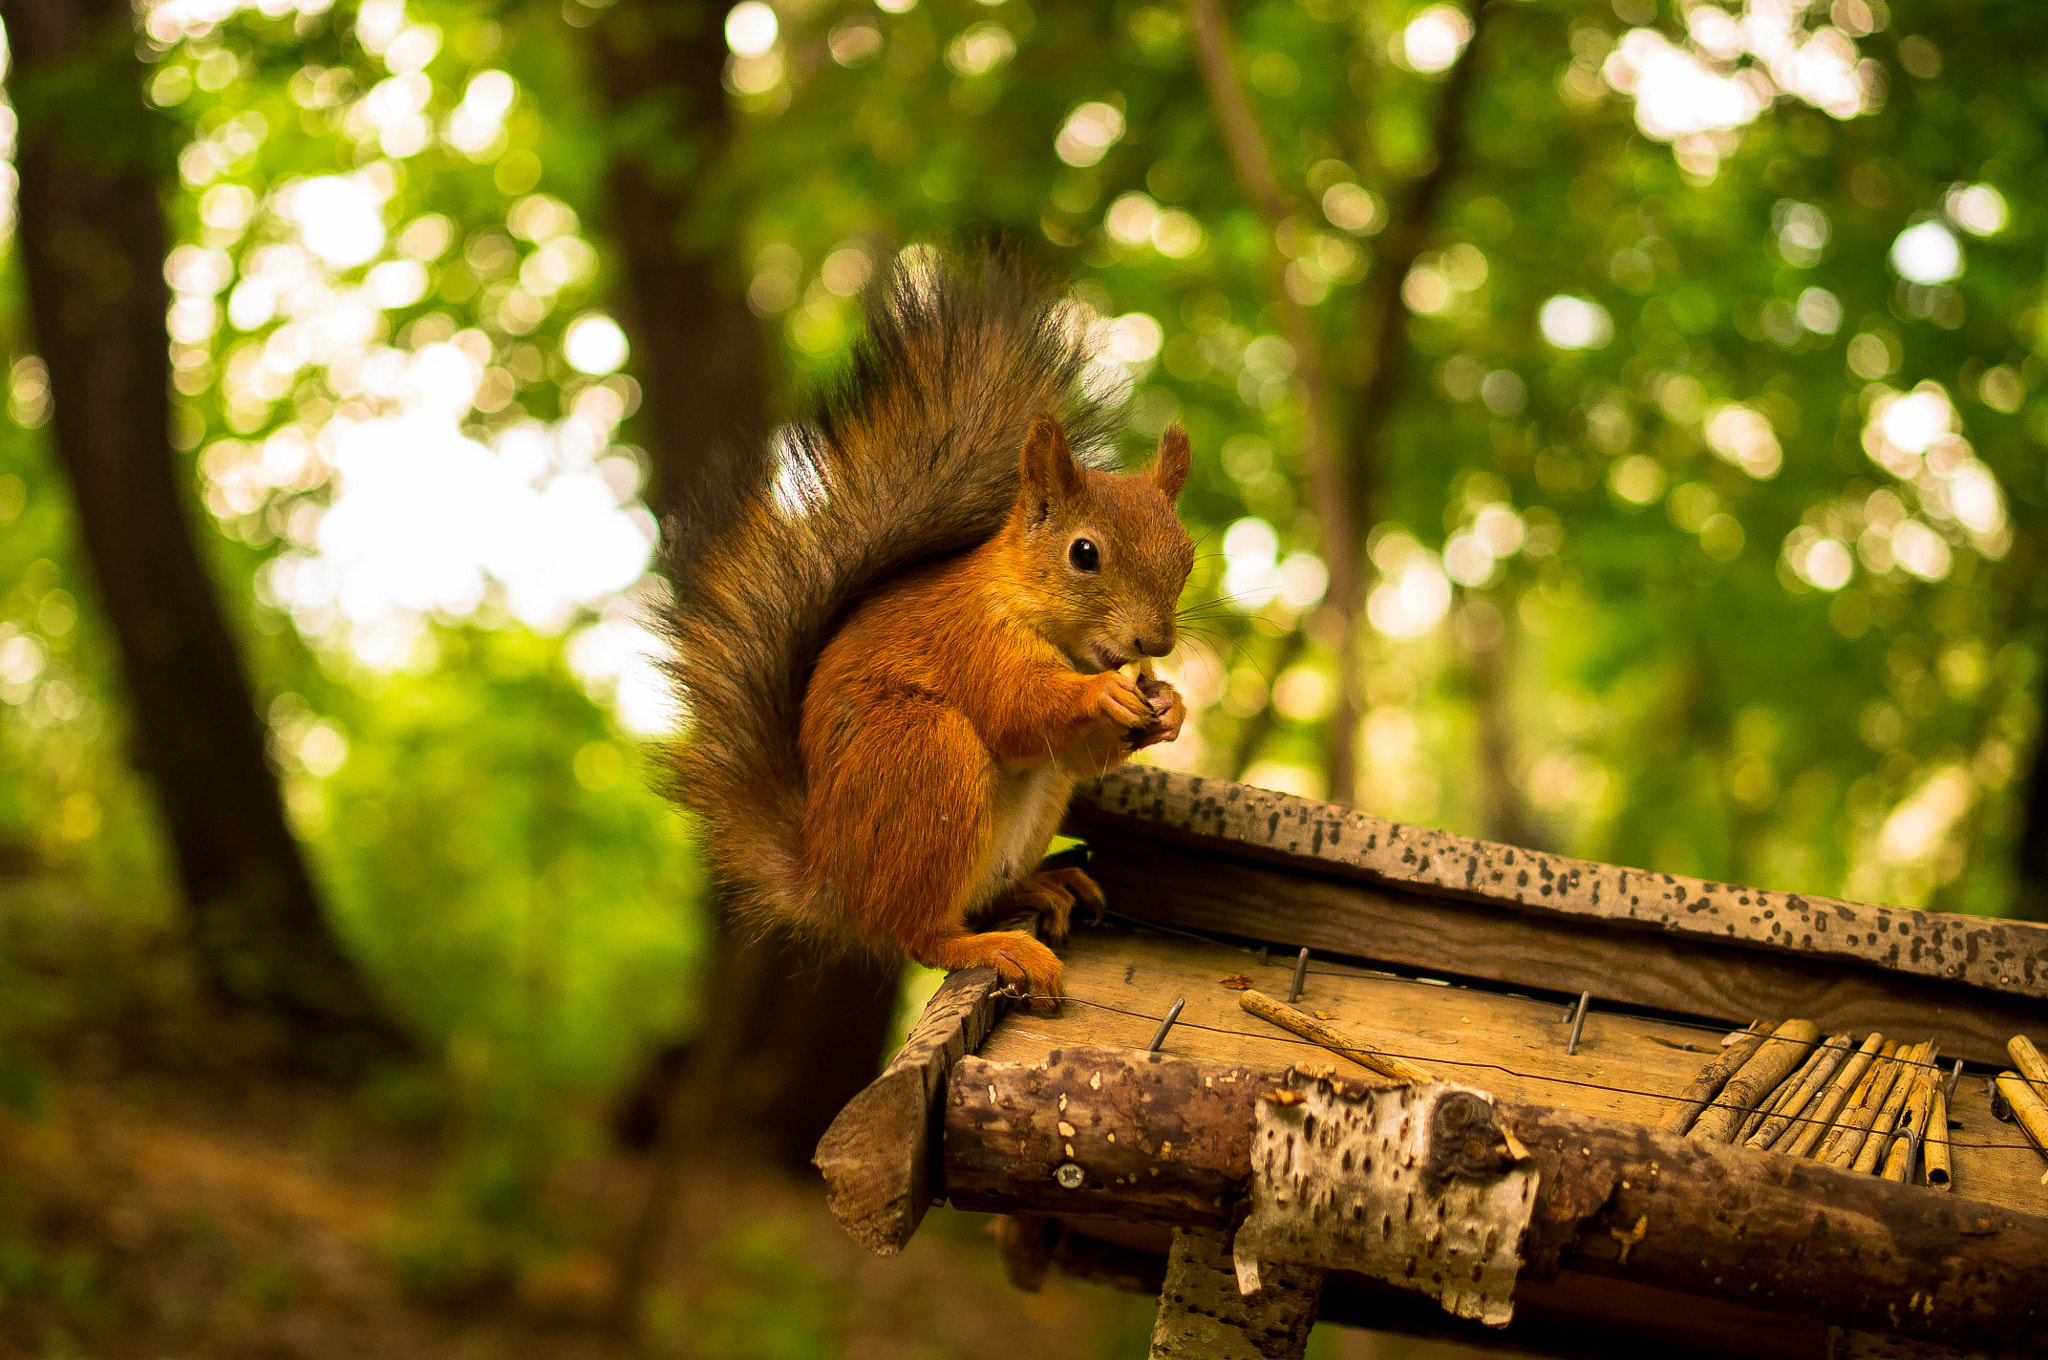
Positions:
(899, 632)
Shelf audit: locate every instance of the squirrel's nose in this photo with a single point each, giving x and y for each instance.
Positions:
(1154, 644)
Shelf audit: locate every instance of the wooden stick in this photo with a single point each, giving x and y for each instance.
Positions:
(1871, 1154)
(1808, 1084)
(1898, 1158)
(1816, 1125)
(2029, 1110)
(1860, 1151)
(1847, 1137)
(1785, 1050)
(1709, 1082)
(2028, 1060)
(1778, 1096)
(1308, 1027)
(1939, 1173)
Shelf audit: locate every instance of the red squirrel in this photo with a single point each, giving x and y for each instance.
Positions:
(899, 641)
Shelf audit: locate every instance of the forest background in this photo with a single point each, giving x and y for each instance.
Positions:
(1619, 430)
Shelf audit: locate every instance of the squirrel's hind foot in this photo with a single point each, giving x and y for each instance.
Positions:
(1052, 893)
(1026, 967)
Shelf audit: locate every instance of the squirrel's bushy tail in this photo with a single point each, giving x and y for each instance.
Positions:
(912, 457)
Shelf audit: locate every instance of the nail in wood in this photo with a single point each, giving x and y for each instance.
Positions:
(1159, 1035)
(1571, 1046)
(1300, 972)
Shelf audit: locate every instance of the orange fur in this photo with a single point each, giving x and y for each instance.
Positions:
(947, 720)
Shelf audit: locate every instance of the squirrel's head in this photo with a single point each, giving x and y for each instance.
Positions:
(1104, 555)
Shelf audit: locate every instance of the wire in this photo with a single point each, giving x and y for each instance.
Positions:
(1269, 1037)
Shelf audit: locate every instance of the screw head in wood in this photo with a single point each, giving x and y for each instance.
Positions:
(1069, 1176)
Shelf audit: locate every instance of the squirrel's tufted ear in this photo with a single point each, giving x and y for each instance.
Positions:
(1050, 473)
(1170, 473)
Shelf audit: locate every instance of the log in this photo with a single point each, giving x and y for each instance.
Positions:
(1709, 1082)
(1808, 1083)
(1940, 1174)
(1628, 1201)
(1846, 1139)
(1910, 1070)
(1310, 1028)
(876, 1157)
(1105, 1133)
(1816, 1124)
(1203, 1317)
(1785, 1050)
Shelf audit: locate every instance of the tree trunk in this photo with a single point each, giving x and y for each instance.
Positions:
(93, 240)
(790, 1038)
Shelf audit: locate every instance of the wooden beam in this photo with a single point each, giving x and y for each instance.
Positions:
(1574, 1317)
(1203, 889)
(1756, 1228)
(1203, 1317)
(2008, 957)
(876, 1157)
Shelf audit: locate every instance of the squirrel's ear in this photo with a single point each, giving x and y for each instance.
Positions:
(1170, 473)
(1050, 473)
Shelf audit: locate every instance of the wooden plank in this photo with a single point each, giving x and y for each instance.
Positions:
(1628, 1066)
(1203, 1317)
(877, 1155)
(1701, 1218)
(1574, 1317)
(2009, 957)
(1203, 891)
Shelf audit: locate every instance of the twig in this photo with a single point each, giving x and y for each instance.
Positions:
(1308, 1027)
(1709, 1082)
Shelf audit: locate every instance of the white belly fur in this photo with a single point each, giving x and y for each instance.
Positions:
(1029, 803)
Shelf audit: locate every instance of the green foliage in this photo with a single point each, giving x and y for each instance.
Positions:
(1674, 691)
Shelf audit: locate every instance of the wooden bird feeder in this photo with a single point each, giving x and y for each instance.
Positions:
(1413, 1148)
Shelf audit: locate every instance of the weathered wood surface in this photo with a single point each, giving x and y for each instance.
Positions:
(876, 1157)
(1574, 1317)
(1627, 1067)
(2001, 956)
(1702, 1218)
(1192, 889)
(1202, 1316)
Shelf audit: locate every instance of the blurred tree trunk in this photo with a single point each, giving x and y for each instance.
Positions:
(787, 1039)
(92, 241)
(1343, 483)
(2031, 902)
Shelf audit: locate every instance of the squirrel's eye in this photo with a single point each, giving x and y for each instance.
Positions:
(1084, 555)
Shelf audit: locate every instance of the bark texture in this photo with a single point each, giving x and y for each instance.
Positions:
(92, 165)
(1168, 1140)
(1202, 1316)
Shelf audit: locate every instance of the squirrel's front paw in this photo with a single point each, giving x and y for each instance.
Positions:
(1117, 698)
(1166, 702)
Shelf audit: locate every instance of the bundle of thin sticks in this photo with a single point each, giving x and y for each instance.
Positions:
(1877, 1107)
